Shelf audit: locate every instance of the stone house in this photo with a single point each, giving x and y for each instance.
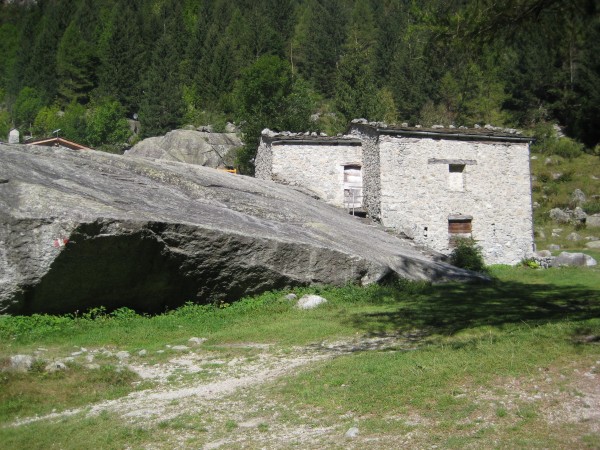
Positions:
(432, 185)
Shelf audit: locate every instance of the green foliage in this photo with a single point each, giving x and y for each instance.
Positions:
(47, 120)
(75, 66)
(565, 147)
(5, 124)
(530, 263)
(105, 123)
(467, 255)
(431, 62)
(268, 96)
(591, 207)
(26, 106)
(73, 122)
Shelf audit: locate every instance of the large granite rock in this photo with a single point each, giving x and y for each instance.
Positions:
(80, 229)
(190, 146)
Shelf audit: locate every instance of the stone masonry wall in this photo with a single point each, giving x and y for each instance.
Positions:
(263, 164)
(419, 193)
(318, 168)
(371, 168)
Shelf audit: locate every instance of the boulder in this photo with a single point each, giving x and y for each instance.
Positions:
(593, 221)
(190, 146)
(309, 301)
(55, 366)
(83, 229)
(14, 136)
(559, 216)
(593, 244)
(579, 215)
(575, 237)
(20, 363)
(578, 197)
(573, 259)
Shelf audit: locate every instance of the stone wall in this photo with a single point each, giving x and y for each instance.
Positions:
(371, 167)
(263, 163)
(419, 193)
(308, 164)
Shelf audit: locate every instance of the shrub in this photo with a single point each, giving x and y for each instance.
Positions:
(544, 177)
(530, 263)
(565, 147)
(591, 207)
(467, 255)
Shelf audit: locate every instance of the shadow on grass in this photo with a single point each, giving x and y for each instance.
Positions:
(447, 309)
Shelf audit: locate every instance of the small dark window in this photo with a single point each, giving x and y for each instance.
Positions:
(456, 168)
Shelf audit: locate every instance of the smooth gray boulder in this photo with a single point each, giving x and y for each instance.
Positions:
(593, 221)
(573, 259)
(310, 301)
(190, 146)
(82, 229)
(20, 363)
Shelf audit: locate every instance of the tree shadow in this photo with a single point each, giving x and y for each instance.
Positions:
(450, 308)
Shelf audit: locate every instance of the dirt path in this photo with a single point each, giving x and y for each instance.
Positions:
(178, 392)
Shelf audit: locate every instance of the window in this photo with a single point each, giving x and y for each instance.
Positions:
(456, 179)
(459, 227)
(352, 186)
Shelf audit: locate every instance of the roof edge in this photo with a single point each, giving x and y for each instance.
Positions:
(460, 136)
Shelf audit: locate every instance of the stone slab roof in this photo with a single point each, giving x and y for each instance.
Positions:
(487, 133)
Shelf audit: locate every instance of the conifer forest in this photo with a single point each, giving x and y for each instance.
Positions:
(84, 66)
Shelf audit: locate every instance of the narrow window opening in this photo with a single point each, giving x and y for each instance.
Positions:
(353, 192)
(456, 177)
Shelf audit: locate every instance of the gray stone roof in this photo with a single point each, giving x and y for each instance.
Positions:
(486, 133)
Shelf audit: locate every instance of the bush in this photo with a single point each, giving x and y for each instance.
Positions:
(565, 147)
(591, 207)
(467, 255)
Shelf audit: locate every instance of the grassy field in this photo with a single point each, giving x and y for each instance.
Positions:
(555, 180)
(514, 363)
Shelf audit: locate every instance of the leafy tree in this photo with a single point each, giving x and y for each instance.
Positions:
(47, 120)
(267, 95)
(26, 107)
(73, 122)
(5, 124)
(9, 47)
(106, 124)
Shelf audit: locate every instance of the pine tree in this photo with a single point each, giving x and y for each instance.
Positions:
(317, 43)
(123, 57)
(75, 66)
(355, 89)
(162, 106)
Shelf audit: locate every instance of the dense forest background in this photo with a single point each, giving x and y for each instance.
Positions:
(85, 65)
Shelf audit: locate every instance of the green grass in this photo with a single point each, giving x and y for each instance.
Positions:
(577, 173)
(479, 346)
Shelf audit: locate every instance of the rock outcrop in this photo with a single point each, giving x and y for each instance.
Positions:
(81, 229)
(190, 146)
